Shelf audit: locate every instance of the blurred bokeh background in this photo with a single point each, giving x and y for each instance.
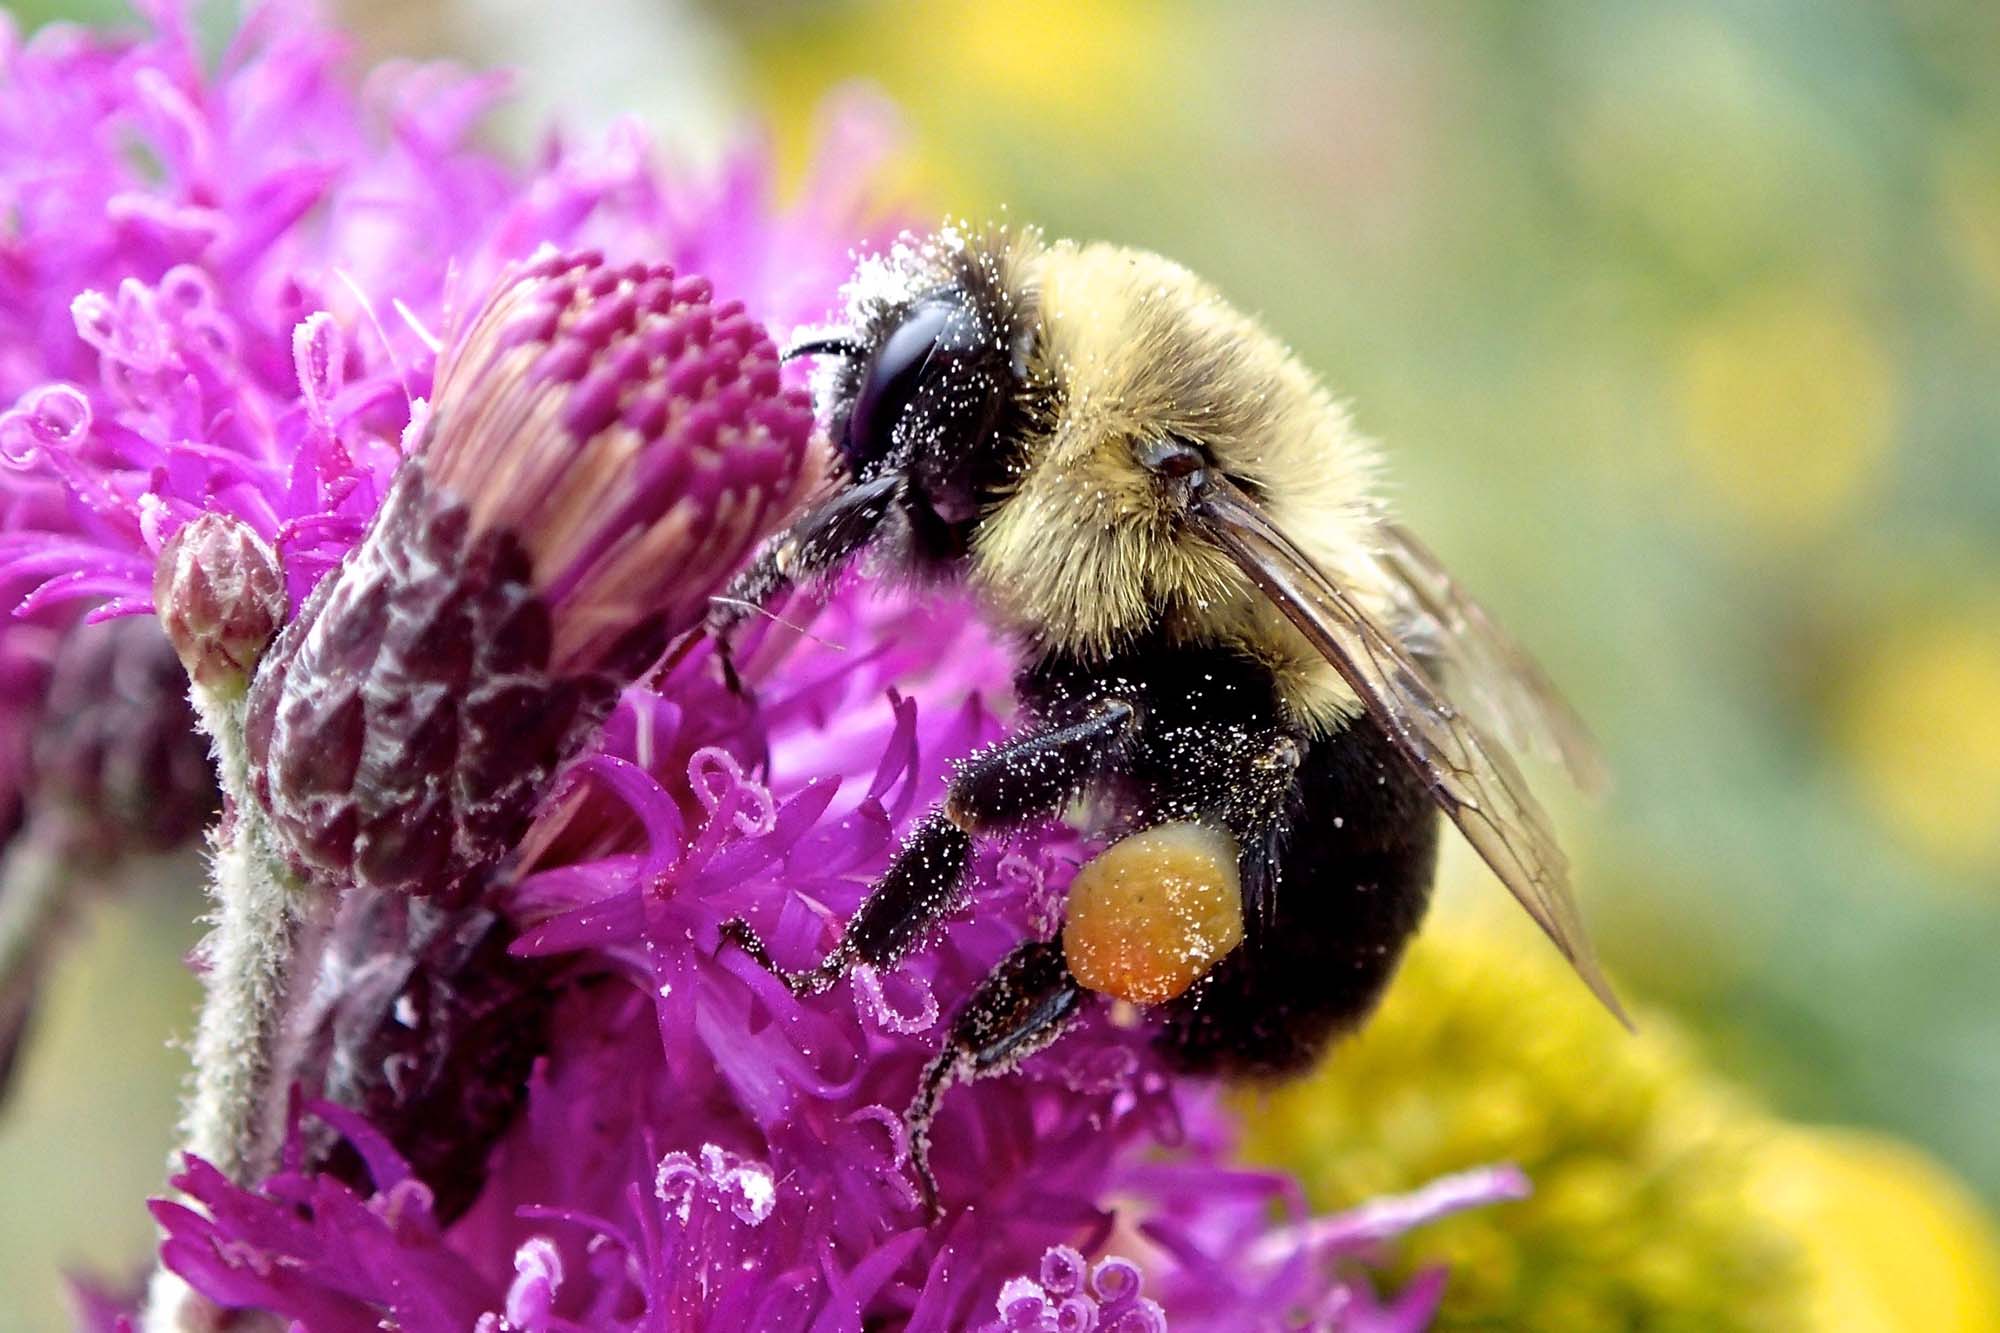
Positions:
(1682, 324)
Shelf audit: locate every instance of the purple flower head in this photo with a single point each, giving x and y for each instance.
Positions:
(218, 285)
(553, 1100)
(605, 445)
(630, 432)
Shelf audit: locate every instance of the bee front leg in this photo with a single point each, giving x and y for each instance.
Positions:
(821, 540)
(1027, 1002)
(998, 788)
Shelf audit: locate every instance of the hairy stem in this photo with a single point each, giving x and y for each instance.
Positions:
(248, 958)
(234, 1118)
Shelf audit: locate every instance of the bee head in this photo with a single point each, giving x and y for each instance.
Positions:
(929, 401)
(928, 384)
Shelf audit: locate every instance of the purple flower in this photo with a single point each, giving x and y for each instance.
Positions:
(701, 1149)
(219, 289)
(225, 290)
(606, 444)
(552, 1100)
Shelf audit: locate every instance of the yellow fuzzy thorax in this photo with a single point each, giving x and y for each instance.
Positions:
(1082, 555)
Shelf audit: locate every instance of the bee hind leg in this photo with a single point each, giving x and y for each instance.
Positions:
(1024, 1004)
(998, 788)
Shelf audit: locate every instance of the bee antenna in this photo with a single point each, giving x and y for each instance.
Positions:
(774, 618)
(837, 345)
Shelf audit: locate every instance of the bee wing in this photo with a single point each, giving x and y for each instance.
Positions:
(1471, 779)
(1504, 685)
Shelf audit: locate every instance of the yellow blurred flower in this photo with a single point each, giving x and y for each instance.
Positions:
(1664, 1199)
(1890, 1241)
(1787, 404)
(978, 78)
(1919, 722)
(1050, 56)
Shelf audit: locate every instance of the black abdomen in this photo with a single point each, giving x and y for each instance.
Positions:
(1351, 876)
(1337, 859)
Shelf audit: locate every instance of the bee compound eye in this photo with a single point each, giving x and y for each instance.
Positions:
(1171, 458)
(896, 371)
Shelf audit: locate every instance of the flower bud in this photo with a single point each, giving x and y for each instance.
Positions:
(606, 444)
(220, 598)
(116, 749)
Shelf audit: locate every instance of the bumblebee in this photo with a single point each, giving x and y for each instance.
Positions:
(1251, 680)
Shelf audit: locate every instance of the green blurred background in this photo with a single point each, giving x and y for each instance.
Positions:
(1682, 324)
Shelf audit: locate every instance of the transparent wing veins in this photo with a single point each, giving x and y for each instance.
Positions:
(1511, 692)
(1470, 778)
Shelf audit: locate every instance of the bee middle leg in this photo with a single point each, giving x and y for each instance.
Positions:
(1242, 781)
(998, 788)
